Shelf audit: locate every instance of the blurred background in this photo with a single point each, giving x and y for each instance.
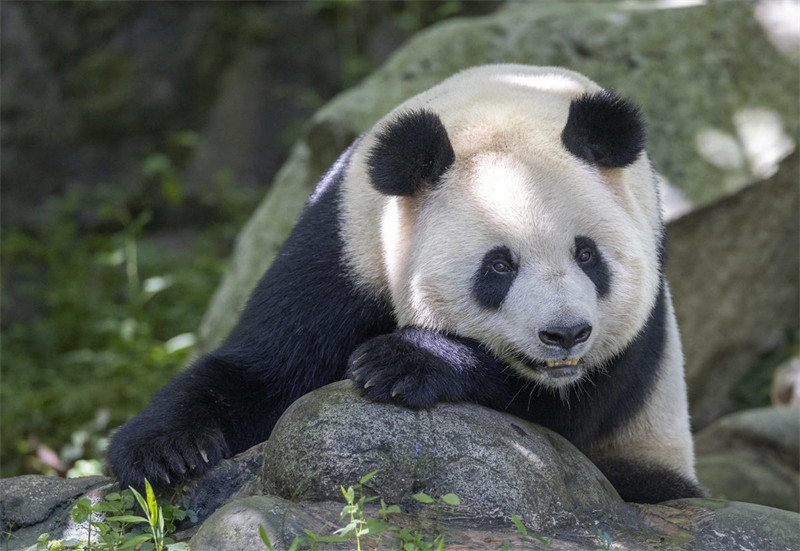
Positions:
(155, 154)
(137, 138)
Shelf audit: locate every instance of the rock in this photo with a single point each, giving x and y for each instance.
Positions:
(753, 456)
(235, 526)
(733, 270)
(496, 463)
(226, 480)
(709, 525)
(717, 525)
(696, 105)
(785, 390)
(31, 505)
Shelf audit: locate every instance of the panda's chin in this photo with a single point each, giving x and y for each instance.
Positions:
(552, 373)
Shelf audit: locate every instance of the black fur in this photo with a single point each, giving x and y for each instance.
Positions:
(595, 268)
(302, 322)
(411, 153)
(604, 129)
(491, 285)
(640, 482)
(418, 368)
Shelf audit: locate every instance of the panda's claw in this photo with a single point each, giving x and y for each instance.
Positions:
(370, 383)
(204, 455)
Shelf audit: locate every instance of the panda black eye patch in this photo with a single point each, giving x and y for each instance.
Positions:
(588, 257)
(494, 277)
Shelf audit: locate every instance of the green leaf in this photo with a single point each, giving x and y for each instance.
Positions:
(441, 543)
(376, 525)
(347, 529)
(133, 542)
(105, 507)
(392, 509)
(127, 518)
(113, 496)
(140, 499)
(295, 542)
(264, 537)
(518, 523)
(451, 499)
(79, 515)
(366, 478)
(423, 498)
(151, 502)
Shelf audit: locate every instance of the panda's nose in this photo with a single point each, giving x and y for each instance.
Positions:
(565, 337)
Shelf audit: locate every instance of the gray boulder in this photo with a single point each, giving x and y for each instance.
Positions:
(753, 456)
(496, 463)
(32, 505)
(734, 273)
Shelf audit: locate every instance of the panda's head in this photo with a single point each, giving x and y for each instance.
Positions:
(520, 214)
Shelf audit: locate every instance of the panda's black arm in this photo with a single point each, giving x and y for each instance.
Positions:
(417, 368)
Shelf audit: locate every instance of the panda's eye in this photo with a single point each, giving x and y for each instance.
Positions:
(501, 267)
(584, 255)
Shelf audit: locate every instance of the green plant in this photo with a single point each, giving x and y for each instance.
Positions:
(97, 317)
(112, 525)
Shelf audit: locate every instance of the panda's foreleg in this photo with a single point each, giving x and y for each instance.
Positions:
(300, 325)
(417, 368)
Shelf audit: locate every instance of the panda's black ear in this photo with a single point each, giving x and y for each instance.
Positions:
(411, 153)
(604, 129)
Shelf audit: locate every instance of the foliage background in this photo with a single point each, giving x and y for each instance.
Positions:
(117, 211)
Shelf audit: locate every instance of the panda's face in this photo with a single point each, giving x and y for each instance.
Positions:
(537, 259)
(515, 206)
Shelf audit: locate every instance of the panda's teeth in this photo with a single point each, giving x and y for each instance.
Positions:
(563, 363)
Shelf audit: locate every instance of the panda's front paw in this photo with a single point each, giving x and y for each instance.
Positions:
(164, 457)
(390, 369)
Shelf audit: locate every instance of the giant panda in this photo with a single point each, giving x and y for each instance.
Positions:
(496, 239)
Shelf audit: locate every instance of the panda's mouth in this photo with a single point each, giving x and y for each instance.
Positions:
(556, 369)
